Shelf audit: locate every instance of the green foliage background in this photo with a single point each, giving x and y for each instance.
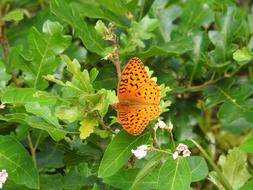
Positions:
(58, 82)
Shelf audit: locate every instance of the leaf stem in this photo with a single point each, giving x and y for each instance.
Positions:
(251, 73)
(172, 139)
(104, 126)
(32, 149)
(160, 150)
(152, 133)
(141, 9)
(223, 179)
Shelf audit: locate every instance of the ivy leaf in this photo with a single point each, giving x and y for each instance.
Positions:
(18, 163)
(87, 126)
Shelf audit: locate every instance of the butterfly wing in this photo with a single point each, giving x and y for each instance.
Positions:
(135, 118)
(148, 94)
(132, 78)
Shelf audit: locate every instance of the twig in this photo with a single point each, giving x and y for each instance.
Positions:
(202, 86)
(153, 135)
(104, 126)
(115, 54)
(3, 40)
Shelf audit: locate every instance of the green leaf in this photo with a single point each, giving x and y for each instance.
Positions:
(230, 24)
(247, 145)
(248, 185)
(176, 47)
(242, 55)
(174, 175)
(117, 7)
(198, 166)
(118, 152)
(25, 95)
(236, 104)
(96, 10)
(74, 17)
(44, 49)
(87, 126)
(250, 23)
(128, 176)
(15, 15)
(18, 163)
(234, 168)
(196, 13)
(137, 33)
(69, 113)
(148, 168)
(73, 180)
(43, 112)
(166, 18)
(82, 76)
(101, 100)
(56, 133)
(50, 155)
(4, 77)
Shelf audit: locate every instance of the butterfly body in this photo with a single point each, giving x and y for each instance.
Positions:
(139, 98)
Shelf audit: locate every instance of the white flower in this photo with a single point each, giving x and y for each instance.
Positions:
(140, 152)
(186, 153)
(2, 106)
(3, 177)
(181, 147)
(175, 155)
(161, 124)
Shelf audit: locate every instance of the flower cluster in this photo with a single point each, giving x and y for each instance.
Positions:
(3, 177)
(181, 149)
(162, 125)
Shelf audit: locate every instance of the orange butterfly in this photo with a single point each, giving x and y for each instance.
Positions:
(139, 97)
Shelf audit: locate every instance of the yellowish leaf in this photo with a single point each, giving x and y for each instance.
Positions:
(87, 126)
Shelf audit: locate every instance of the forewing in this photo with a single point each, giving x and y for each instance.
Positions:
(132, 78)
(134, 119)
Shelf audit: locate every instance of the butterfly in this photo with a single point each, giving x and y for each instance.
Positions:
(139, 98)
